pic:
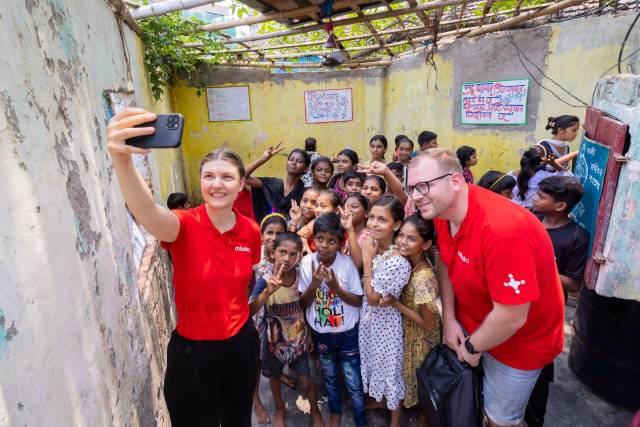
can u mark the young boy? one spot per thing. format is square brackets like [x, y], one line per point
[556, 196]
[177, 201]
[332, 295]
[353, 181]
[285, 340]
[427, 140]
[397, 169]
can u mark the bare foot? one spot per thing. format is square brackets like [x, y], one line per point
[278, 418]
[334, 420]
[371, 403]
[287, 380]
[262, 416]
[316, 418]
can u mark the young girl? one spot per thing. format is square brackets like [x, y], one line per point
[564, 130]
[468, 157]
[301, 215]
[353, 218]
[275, 194]
[404, 150]
[533, 170]
[498, 182]
[386, 272]
[373, 188]
[378, 147]
[270, 227]
[321, 171]
[346, 160]
[284, 334]
[327, 201]
[421, 320]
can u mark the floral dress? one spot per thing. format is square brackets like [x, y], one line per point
[422, 289]
[380, 337]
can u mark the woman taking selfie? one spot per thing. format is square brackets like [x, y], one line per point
[212, 357]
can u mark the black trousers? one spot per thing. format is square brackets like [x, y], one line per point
[537, 406]
[209, 383]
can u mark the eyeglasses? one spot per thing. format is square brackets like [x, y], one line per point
[423, 187]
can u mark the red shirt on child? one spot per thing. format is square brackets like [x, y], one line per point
[502, 253]
[211, 274]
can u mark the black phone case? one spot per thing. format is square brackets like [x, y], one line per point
[165, 136]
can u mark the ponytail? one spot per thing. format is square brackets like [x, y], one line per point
[560, 122]
[531, 159]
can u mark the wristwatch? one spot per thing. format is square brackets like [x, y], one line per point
[469, 346]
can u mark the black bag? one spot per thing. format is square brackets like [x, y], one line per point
[449, 391]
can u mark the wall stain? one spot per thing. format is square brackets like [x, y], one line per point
[61, 27]
[6, 335]
[87, 240]
[11, 117]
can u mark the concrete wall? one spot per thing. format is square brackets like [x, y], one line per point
[277, 104]
[417, 95]
[82, 337]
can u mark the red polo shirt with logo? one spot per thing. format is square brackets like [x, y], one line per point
[211, 274]
[502, 253]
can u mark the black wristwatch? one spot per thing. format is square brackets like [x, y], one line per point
[469, 346]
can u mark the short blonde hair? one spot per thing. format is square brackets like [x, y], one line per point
[447, 160]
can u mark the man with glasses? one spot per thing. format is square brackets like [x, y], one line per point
[498, 280]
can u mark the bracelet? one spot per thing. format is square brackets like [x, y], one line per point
[366, 275]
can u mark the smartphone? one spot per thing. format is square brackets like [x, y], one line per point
[168, 132]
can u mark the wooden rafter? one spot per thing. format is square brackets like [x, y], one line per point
[162, 8]
[122, 11]
[371, 29]
[443, 24]
[349, 21]
[304, 64]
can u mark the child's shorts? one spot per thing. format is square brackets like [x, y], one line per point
[272, 367]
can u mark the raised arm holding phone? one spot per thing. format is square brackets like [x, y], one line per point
[212, 357]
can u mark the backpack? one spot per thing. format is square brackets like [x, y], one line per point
[449, 391]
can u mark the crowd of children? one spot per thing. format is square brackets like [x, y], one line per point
[346, 268]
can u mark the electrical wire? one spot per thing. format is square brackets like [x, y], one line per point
[521, 55]
[626, 37]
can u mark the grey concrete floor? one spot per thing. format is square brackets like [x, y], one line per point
[570, 403]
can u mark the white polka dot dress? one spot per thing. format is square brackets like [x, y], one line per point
[381, 332]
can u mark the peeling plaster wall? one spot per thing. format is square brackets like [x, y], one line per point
[81, 342]
[619, 276]
[412, 95]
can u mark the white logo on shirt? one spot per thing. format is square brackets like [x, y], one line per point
[242, 249]
[515, 284]
[463, 258]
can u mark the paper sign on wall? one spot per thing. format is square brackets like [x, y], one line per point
[494, 103]
[325, 106]
[228, 103]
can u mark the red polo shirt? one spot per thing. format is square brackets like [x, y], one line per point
[502, 253]
[211, 274]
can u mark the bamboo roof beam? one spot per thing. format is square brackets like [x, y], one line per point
[371, 29]
[399, 21]
[359, 48]
[421, 16]
[165, 7]
[303, 64]
[511, 22]
[122, 12]
[364, 36]
[347, 21]
[277, 16]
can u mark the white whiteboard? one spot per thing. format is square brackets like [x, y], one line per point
[325, 106]
[228, 103]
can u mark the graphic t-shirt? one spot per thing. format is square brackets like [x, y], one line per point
[285, 332]
[328, 313]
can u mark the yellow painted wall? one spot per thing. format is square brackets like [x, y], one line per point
[405, 100]
[278, 115]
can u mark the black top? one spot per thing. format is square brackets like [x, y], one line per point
[270, 198]
[571, 246]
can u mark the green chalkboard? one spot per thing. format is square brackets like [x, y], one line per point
[591, 166]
